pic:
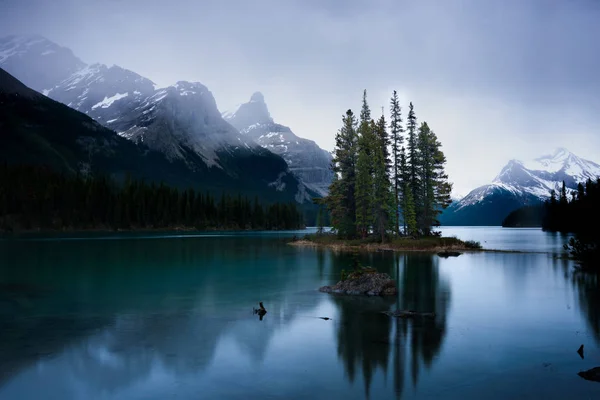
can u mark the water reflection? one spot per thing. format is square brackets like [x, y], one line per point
[368, 339]
[152, 319]
[588, 296]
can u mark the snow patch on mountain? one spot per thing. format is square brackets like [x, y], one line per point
[108, 101]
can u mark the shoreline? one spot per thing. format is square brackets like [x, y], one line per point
[388, 247]
[176, 229]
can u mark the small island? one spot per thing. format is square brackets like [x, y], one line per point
[389, 187]
[444, 246]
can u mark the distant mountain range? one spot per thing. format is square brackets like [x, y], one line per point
[307, 160]
[181, 122]
[519, 184]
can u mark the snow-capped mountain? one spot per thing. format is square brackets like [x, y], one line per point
[181, 121]
[304, 157]
[518, 184]
[42, 63]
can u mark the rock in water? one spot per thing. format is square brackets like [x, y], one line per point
[446, 254]
[580, 352]
[591, 374]
[408, 314]
[364, 282]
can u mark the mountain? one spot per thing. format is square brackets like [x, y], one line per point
[519, 184]
[181, 122]
[41, 63]
[35, 129]
[304, 157]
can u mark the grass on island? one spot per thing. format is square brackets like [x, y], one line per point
[400, 243]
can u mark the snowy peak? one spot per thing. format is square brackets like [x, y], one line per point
[257, 97]
[562, 164]
[520, 183]
[304, 157]
[38, 62]
[251, 113]
[185, 88]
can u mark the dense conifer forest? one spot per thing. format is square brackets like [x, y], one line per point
[578, 214]
[38, 198]
[389, 179]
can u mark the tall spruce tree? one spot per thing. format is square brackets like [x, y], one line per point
[409, 216]
[364, 170]
[413, 154]
[435, 189]
[341, 200]
[383, 197]
[397, 141]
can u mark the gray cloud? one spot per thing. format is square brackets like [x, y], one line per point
[496, 80]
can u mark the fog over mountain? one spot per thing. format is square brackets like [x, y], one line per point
[495, 80]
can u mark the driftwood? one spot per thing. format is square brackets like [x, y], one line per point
[446, 254]
[409, 314]
[591, 374]
[261, 311]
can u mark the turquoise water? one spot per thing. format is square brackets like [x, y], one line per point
[157, 317]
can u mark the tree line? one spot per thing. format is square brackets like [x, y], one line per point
[579, 215]
[34, 197]
[388, 179]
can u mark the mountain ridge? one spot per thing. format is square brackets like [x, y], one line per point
[303, 156]
[519, 184]
[181, 121]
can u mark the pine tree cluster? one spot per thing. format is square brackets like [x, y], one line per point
[33, 197]
[382, 186]
[579, 215]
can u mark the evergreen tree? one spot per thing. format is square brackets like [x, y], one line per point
[341, 200]
[435, 189]
[397, 140]
[413, 156]
[364, 170]
[409, 216]
[383, 197]
[364, 179]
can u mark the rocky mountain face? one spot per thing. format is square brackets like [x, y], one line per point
[180, 121]
[518, 184]
[304, 157]
[40, 63]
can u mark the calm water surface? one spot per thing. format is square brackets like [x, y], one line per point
[159, 317]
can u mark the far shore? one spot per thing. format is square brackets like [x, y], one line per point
[173, 229]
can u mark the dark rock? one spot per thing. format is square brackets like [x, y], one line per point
[409, 314]
[580, 352]
[447, 254]
[364, 282]
[591, 374]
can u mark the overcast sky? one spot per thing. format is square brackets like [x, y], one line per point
[495, 79]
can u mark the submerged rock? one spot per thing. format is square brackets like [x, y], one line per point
[364, 282]
[408, 314]
[591, 374]
[580, 352]
[447, 254]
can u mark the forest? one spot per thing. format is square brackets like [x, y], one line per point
[578, 214]
[389, 179]
[39, 198]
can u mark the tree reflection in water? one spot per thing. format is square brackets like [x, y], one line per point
[366, 336]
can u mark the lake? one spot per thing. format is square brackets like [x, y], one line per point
[160, 317]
